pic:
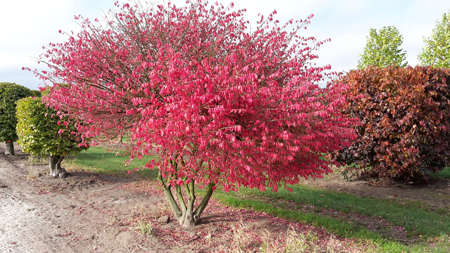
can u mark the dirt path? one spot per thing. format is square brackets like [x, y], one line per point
[81, 213]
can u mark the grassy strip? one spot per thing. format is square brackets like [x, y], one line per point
[335, 226]
[342, 227]
[414, 216]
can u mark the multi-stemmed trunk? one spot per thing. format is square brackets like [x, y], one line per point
[9, 148]
[54, 163]
[186, 215]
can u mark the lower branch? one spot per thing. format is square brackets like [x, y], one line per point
[169, 196]
[200, 208]
[180, 198]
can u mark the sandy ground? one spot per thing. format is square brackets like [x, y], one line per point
[80, 213]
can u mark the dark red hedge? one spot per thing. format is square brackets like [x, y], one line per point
[405, 113]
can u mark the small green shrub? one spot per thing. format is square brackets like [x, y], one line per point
[42, 132]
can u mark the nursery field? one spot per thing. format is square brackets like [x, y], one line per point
[247, 132]
[102, 208]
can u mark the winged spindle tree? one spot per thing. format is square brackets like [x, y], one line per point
[219, 104]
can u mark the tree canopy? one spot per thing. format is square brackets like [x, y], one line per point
[43, 132]
[436, 51]
[383, 48]
[405, 111]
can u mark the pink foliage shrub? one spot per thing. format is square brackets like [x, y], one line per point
[218, 103]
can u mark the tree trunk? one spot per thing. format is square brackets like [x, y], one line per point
[54, 163]
[186, 215]
[9, 148]
[191, 217]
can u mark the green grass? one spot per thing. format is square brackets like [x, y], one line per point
[415, 217]
[99, 159]
[445, 173]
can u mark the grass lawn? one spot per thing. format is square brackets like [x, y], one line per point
[99, 159]
[351, 216]
[392, 224]
[445, 173]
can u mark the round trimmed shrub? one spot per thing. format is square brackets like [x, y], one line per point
[42, 132]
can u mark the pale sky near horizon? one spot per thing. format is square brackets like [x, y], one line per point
[26, 25]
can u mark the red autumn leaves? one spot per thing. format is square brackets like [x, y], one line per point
[195, 87]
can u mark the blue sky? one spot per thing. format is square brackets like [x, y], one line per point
[26, 25]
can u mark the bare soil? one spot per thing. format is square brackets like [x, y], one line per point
[79, 213]
[93, 212]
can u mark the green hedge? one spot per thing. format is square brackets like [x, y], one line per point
[9, 94]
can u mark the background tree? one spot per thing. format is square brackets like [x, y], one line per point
[220, 105]
[42, 132]
[436, 51]
[383, 48]
[9, 94]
